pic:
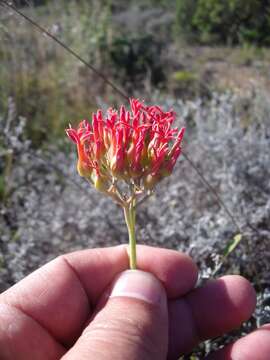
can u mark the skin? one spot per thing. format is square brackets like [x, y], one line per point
[44, 315]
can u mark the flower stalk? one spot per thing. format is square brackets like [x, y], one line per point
[130, 217]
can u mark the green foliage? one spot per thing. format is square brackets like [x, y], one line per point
[184, 76]
[5, 171]
[226, 21]
[2, 187]
[33, 2]
[185, 10]
[232, 244]
[163, 3]
[134, 57]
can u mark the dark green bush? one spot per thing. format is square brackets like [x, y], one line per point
[33, 2]
[226, 21]
[135, 57]
[185, 10]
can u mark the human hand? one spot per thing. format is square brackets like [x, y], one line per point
[75, 309]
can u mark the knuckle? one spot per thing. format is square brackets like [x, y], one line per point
[124, 333]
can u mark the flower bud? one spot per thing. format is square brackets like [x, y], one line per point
[83, 169]
[150, 181]
[101, 183]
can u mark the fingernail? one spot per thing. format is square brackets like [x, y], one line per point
[139, 285]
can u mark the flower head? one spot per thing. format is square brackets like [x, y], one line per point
[138, 146]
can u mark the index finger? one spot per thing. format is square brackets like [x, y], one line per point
[59, 296]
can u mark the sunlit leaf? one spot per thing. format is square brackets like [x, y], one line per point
[232, 244]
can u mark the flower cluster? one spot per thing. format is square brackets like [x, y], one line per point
[138, 146]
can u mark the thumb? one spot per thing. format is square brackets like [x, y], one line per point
[133, 323]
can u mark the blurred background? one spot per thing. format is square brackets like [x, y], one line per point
[209, 61]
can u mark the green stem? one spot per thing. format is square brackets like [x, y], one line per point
[130, 215]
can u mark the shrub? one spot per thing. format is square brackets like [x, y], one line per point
[226, 21]
[185, 10]
[133, 57]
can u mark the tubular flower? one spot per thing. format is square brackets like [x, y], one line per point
[138, 146]
[126, 153]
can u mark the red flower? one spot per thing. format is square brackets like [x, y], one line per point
[138, 146]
